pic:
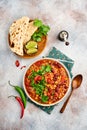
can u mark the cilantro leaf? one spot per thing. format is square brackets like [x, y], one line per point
[48, 68]
[42, 30]
[37, 22]
[44, 98]
[32, 75]
[40, 86]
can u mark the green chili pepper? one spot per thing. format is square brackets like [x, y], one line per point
[21, 93]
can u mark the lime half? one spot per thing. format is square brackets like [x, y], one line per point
[31, 50]
[31, 44]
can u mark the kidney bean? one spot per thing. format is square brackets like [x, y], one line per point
[56, 94]
[55, 77]
[27, 82]
[57, 64]
[48, 94]
[57, 89]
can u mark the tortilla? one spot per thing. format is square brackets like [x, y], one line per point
[20, 33]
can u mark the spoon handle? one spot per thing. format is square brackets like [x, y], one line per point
[65, 103]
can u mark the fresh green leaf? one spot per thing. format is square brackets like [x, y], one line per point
[37, 22]
[44, 98]
[38, 39]
[38, 91]
[32, 83]
[48, 68]
[42, 30]
[43, 68]
[39, 34]
[41, 85]
[34, 73]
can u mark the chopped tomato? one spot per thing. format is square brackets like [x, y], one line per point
[48, 80]
[57, 64]
[37, 78]
[38, 63]
[27, 81]
[62, 79]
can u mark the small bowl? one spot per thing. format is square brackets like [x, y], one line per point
[57, 101]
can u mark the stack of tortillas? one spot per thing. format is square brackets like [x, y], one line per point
[20, 33]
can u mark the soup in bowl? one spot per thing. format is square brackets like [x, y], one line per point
[46, 82]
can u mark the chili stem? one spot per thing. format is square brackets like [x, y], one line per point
[10, 84]
[11, 96]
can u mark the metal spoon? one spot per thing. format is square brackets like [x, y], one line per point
[76, 82]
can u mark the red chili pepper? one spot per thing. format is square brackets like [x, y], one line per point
[21, 104]
[17, 63]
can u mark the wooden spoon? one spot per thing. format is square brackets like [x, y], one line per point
[76, 82]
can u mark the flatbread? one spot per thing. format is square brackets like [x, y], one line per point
[20, 33]
[29, 32]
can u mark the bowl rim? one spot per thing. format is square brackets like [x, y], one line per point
[55, 103]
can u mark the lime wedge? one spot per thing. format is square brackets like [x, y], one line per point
[31, 50]
[31, 44]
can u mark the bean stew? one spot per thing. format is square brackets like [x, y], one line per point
[46, 81]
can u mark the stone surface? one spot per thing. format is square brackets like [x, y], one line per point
[69, 15]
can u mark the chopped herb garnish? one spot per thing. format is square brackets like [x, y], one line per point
[44, 69]
[42, 30]
[34, 73]
[40, 85]
[44, 98]
[37, 22]
[48, 68]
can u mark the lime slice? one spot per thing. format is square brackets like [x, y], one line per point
[31, 51]
[31, 44]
